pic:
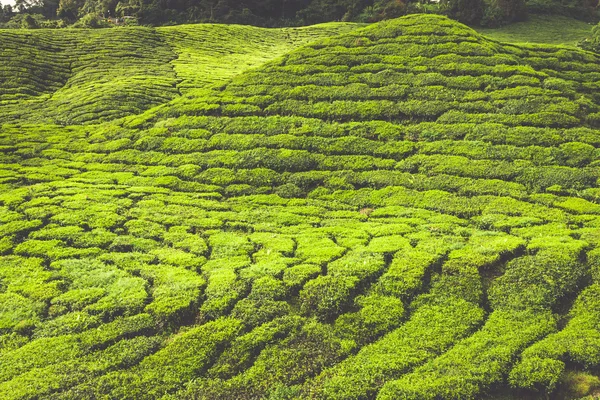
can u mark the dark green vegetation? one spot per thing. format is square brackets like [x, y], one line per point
[592, 42]
[405, 211]
[101, 13]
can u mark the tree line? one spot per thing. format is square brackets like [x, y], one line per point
[97, 13]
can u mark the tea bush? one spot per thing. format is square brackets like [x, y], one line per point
[405, 210]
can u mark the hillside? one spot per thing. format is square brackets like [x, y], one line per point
[545, 29]
[408, 210]
[88, 76]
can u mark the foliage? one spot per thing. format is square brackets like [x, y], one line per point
[592, 43]
[403, 210]
[465, 11]
[499, 12]
[581, 9]
[91, 21]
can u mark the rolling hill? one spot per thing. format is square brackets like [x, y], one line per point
[407, 210]
[82, 76]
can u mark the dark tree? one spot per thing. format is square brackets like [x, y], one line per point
[514, 10]
[22, 5]
[332, 10]
[29, 22]
[593, 42]
[466, 11]
[69, 10]
[500, 12]
[8, 12]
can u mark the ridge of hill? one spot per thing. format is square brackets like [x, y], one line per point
[405, 211]
[86, 76]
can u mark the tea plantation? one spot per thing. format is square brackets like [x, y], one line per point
[89, 76]
[407, 210]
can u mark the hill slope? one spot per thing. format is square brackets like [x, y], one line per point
[545, 29]
[408, 210]
[89, 76]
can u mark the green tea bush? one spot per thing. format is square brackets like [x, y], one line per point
[406, 274]
[592, 43]
[245, 349]
[413, 343]
[543, 363]
[18, 312]
[554, 271]
[175, 294]
[190, 353]
[540, 374]
[480, 359]
[406, 211]
[327, 296]
[296, 276]
[377, 315]
[540, 178]
[254, 313]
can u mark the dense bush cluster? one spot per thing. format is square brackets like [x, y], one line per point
[592, 43]
[408, 210]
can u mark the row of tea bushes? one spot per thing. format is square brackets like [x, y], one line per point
[203, 249]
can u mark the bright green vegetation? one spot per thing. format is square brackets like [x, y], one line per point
[101, 77]
[547, 29]
[89, 76]
[404, 211]
[209, 54]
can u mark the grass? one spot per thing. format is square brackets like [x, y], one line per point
[403, 210]
[545, 29]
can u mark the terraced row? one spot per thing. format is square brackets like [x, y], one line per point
[212, 54]
[31, 66]
[271, 239]
[90, 76]
[102, 77]
[249, 265]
